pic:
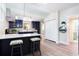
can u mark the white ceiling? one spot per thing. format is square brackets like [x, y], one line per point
[41, 9]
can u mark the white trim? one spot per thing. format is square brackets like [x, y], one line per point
[66, 43]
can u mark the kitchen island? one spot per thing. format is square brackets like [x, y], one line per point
[5, 48]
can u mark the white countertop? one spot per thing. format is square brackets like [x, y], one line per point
[17, 35]
[27, 30]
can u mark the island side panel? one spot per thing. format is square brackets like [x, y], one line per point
[5, 48]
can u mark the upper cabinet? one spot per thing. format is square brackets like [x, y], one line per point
[16, 24]
[13, 10]
[9, 16]
[12, 24]
[19, 23]
[8, 13]
[36, 25]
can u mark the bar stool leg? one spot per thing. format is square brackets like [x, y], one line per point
[33, 48]
[21, 50]
[12, 51]
[39, 49]
[40, 52]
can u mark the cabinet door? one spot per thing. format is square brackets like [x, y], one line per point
[36, 25]
[12, 24]
[19, 23]
[51, 30]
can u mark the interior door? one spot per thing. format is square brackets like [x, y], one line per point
[51, 30]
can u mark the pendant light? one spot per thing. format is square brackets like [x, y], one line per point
[24, 10]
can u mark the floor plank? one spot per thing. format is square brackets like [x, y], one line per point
[49, 48]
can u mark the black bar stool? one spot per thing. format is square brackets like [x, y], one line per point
[35, 45]
[16, 44]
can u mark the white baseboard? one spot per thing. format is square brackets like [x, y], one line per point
[51, 40]
[65, 43]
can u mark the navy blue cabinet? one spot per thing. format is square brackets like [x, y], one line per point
[36, 25]
[12, 24]
[5, 48]
[16, 24]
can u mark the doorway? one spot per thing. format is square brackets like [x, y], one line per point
[73, 30]
[73, 34]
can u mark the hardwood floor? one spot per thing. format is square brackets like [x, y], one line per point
[49, 48]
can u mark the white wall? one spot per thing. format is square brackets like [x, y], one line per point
[20, 13]
[74, 11]
[3, 22]
[51, 24]
[64, 15]
[51, 27]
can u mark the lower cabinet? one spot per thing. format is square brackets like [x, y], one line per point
[5, 48]
[26, 46]
[36, 25]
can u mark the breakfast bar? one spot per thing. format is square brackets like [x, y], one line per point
[5, 48]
